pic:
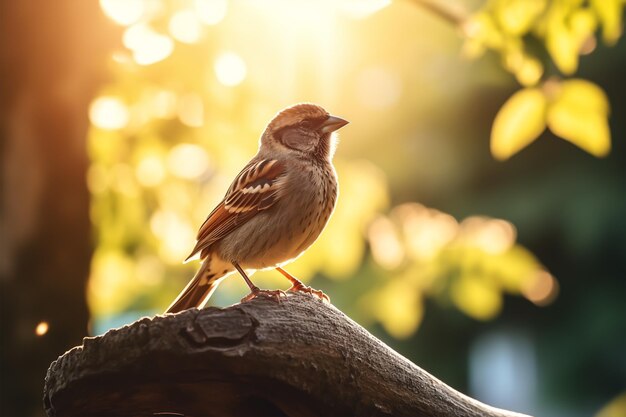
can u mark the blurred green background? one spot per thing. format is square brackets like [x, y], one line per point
[469, 235]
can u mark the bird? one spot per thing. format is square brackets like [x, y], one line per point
[273, 211]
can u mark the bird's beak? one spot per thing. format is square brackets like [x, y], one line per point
[333, 123]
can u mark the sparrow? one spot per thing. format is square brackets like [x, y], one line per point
[274, 209]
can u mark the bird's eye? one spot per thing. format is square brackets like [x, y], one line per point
[306, 124]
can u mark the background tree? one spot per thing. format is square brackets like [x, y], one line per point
[191, 85]
[51, 54]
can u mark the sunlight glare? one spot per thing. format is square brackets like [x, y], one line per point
[184, 26]
[313, 14]
[123, 12]
[108, 112]
[378, 88]
[211, 12]
[360, 9]
[230, 69]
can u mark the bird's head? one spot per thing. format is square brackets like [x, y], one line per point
[305, 129]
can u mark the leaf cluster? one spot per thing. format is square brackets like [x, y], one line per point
[540, 42]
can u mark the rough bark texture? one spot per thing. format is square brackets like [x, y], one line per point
[301, 357]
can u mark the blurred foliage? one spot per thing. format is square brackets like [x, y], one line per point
[615, 408]
[168, 134]
[471, 264]
[531, 36]
[179, 118]
[575, 110]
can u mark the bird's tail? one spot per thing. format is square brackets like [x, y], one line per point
[198, 291]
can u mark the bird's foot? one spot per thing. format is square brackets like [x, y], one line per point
[300, 287]
[257, 292]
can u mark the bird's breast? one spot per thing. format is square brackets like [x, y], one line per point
[283, 232]
[316, 202]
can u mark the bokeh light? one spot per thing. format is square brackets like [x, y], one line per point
[472, 197]
[123, 12]
[150, 171]
[230, 69]
[164, 104]
[426, 231]
[187, 161]
[175, 235]
[147, 45]
[491, 235]
[211, 12]
[108, 113]
[475, 261]
[185, 27]
[385, 245]
[42, 328]
[542, 290]
[170, 145]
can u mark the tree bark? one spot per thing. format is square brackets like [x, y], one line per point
[301, 357]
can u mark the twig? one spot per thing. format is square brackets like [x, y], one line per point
[452, 13]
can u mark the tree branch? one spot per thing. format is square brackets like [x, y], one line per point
[452, 13]
[301, 357]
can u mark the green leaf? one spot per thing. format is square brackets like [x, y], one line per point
[610, 15]
[579, 114]
[516, 17]
[476, 297]
[583, 23]
[529, 71]
[562, 46]
[519, 122]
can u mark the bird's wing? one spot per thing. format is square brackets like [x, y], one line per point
[254, 190]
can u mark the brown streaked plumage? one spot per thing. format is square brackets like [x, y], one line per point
[275, 208]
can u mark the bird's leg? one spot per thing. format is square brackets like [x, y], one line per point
[298, 286]
[256, 291]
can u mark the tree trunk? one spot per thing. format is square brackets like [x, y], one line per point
[52, 58]
[301, 357]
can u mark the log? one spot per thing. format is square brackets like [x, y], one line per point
[301, 357]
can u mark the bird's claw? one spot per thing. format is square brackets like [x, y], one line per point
[257, 292]
[308, 290]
